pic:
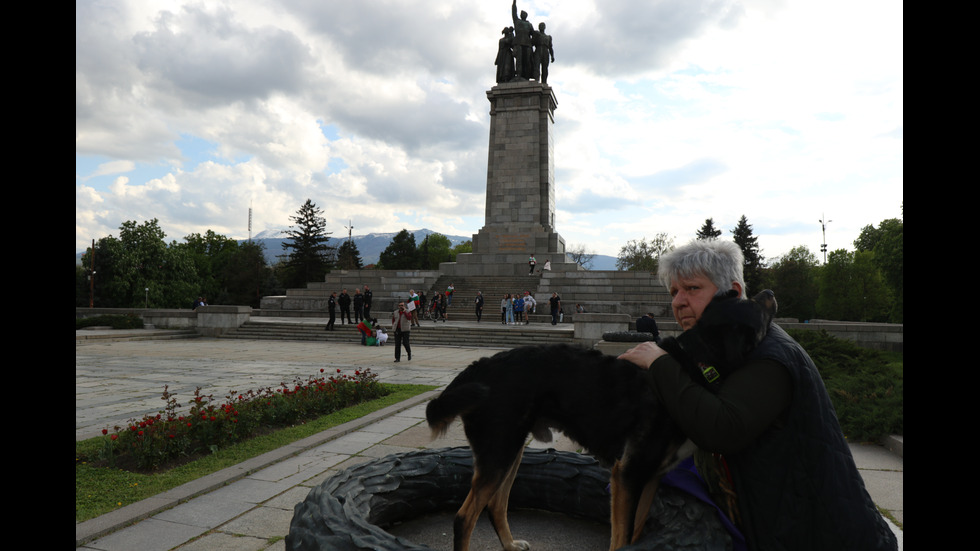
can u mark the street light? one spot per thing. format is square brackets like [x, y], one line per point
[146, 297]
[823, 246]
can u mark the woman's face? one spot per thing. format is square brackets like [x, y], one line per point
[690, 297]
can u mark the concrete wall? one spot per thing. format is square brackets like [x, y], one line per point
[589, 327]
[210, 321]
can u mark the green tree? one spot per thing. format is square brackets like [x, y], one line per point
[435, 248]
[793, 277]
[852, 289]
[887, 243]
[245, 276]
[463, 248]
[708, 230]
[308, 257]
[400, 254]
[742, 235]
[348, 257]
[642, 255]
[210, 253]
[139, 268]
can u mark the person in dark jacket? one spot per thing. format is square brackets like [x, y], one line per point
[647, 324]
[358, 306]
[332, 309]
[770, 432]
[344, 302]
[368, 296]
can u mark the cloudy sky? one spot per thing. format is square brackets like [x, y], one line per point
[669, 112]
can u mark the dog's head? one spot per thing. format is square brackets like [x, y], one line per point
[726, 333]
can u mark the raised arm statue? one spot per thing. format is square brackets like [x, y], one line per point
[522, 44]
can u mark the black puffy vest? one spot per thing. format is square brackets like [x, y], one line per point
[797, 485]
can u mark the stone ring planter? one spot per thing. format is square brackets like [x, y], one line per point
[347, 511]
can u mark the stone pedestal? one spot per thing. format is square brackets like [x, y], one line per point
[520, 205]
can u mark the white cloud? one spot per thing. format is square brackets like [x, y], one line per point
[669, 113]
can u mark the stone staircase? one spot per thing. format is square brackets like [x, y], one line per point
[490, 333]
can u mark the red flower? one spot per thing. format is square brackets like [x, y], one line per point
[105, 431]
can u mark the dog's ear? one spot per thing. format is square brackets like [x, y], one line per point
[767, 300]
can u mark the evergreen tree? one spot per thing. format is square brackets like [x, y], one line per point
[400, 254]
[708, 230]
[742, 235]
[308, 256]
[348, 257]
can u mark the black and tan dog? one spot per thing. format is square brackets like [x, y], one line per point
[605, 404]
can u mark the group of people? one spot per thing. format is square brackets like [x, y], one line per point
[515, 308]
[361, 301]
[417, 305]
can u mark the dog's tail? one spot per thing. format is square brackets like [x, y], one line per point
[453, 402]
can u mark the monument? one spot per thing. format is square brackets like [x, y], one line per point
[519, 213]
[520, 202]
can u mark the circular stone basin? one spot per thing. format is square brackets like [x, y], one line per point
[350, 510]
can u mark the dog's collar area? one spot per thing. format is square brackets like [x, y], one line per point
[712, 378]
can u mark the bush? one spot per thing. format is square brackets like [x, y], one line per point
[866, 386]
[128, 321]
[155, 440]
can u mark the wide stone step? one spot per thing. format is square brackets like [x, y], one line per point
[490, 334]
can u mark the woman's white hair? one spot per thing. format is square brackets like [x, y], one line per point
[720, 261]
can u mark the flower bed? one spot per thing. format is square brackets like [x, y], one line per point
[170, 436]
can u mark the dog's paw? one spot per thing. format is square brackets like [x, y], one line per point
[518, 545]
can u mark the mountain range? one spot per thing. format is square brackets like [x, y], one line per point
[371, 245]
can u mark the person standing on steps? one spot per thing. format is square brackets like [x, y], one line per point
[479, 306]
[401, 326]
[344, 302]
[332, 309]
[367, 301]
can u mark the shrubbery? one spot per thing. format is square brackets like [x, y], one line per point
[128, 321]
[866, 386]
[207, 425]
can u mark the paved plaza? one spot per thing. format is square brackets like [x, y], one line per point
[249, 507]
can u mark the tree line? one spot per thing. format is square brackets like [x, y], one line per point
[865, 284]
[140, 269]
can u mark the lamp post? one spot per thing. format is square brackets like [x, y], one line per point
[823, 246]
[146, 297]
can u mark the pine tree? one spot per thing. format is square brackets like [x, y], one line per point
[400, 254]
[708, 230]
[308, 256]
[742, 235]
[348, 257]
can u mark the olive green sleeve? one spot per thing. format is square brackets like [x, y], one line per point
[749, 401]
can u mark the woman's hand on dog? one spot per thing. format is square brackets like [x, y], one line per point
[643, 354]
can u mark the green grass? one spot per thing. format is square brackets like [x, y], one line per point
[99, 490]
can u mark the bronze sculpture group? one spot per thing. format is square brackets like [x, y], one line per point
[523, 53]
